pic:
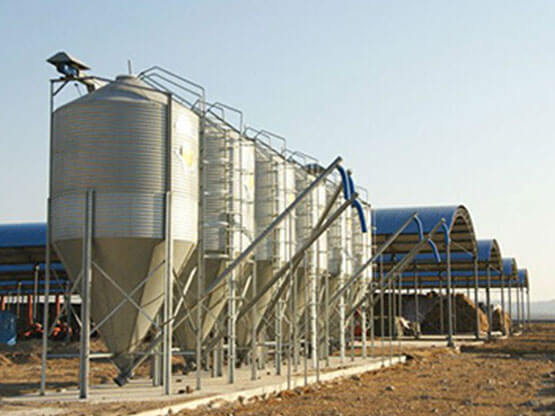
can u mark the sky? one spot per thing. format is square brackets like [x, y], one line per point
[428, 102]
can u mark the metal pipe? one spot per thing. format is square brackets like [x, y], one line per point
[168, 299]
[372, 259]
[477, 310]
[291, 267]
[35, 290]
[401, 264]
[305, 246]
[517, 307]
[450, 342]
[86, 297]
[416, 301]
[522, 306]
[295, 259]
[503, 323]
[46, 298]
[221, 278]
[200, 245]
[326, 319]
[488, 301]
[510, 306]
[441, 308]
[528, 303]
[382, 311]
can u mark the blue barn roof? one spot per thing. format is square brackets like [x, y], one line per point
[523, 277]
[23, 235]
[509, 267]
[389, 220]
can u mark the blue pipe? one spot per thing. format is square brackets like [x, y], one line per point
[351, 184]
[29, 282]
[420, 227]
[357, 205]
[345, 181]
[13, 268]
[360, 211]
[430, 242]
[435, 251]
[361, 217]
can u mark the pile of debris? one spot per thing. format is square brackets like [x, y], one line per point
[464, 316]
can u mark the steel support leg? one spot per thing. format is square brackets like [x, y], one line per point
[231, 334]
[510, 306]
[528, 305]
[168, 301]
[450, 342]
[313, 314]
[441, 309]
[46, 298]
[382, 319]
[254, 338]
[517, 308]
[372, 325]
[488, 304]
[84, 364]
[504, 328]
[363, 329]
[326, 320]
[156, 365]
[476, 301]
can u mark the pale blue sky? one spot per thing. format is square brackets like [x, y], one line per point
[430, 102]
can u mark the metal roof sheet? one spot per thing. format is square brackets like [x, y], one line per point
[23, 235]
[389, 220]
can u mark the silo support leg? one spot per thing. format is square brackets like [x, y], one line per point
[168, 301]
[46, 308]
[84, 365]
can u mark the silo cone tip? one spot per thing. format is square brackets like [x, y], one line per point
[126, 372]
[122, 379]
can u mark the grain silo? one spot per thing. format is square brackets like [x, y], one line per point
[275, 190]
[227, 224]
[315, 262]
[137, 150]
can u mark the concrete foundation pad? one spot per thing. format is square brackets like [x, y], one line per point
[215, 390]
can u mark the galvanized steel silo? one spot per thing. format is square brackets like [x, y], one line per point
[115, 141]
[274, 190]
[227, 221]
[315, 263]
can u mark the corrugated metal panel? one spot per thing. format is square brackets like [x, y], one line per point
[23, 235]
[388, 220]
[275, 190]
[308, 214]
[117, 214]
[185, 181]
[335, 237]
[114, 141]
[229, 195]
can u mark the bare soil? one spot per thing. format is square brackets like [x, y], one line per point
[515, 376]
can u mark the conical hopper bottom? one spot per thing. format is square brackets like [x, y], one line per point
[212, 307]
[303, 285]
[264, 273]
[128, 262]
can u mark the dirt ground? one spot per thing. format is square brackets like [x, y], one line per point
[515, 376]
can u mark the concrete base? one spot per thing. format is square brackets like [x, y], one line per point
[215, 390]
